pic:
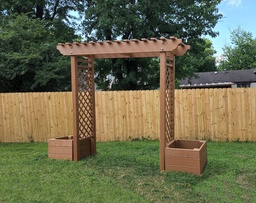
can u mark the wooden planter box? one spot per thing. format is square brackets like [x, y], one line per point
[186, 156]
[62, 148]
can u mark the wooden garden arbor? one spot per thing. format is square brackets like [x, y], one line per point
[83, 95]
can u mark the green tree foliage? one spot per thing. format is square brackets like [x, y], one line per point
[29, 33]
[200, 59]
[42, 9]
[135, 19]
[207, 59]
[30, 30]
[241, 54]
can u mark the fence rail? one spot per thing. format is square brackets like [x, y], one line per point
[216, 114]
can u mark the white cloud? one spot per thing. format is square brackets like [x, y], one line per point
[234, 2]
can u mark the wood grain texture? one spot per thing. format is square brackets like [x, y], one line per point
[38, 117]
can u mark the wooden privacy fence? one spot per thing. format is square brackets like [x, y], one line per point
[216, 114]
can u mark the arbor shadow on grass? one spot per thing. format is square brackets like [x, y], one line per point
[213, 168]
[142, 157]
[141, 164]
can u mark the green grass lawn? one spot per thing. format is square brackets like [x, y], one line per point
[125, 172]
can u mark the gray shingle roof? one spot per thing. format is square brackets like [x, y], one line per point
[218, 77]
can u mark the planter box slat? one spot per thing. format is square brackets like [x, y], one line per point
[61, 156]
[60, 150]
[61, 142]
[85, 147]
[182, 161]
[182, 153]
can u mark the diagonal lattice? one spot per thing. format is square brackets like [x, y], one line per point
[85, 98]
[169, 100]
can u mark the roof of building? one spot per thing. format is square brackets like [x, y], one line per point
[220, 78]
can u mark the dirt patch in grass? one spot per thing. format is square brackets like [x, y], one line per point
[246, 182]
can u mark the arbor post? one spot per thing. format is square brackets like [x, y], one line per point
[83, 96]
[167, 91]
[74, 84]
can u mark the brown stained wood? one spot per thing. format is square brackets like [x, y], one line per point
[144, 39]
[60, 143]
[60, 148]
[184, 153]
[185, 144]
[125, 49]
[171, 95]
[183, 161]
[162, 109]
[85, 142]
[61, 156]
[180, 155]
[163, 38]
[93, 138]
[153, 39]
[74, 83]
[173, 38]
[85, 152]
[86, 147]
[181, 50]
[135, 40]
[84, 118]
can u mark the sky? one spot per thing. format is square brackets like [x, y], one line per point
[236, 13]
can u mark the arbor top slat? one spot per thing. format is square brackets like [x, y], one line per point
[124, 49]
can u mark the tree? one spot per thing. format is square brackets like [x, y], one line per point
[131, 19]
[241, 54]
[201, 59]
[29, 33]
[42, 9]
[29, 59]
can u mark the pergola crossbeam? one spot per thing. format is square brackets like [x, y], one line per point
[124, 49]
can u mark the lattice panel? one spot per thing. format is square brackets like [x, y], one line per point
[85, 98]
[169, 99]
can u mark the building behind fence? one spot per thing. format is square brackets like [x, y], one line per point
[211, 114]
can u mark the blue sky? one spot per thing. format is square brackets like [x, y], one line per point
[235, 13]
